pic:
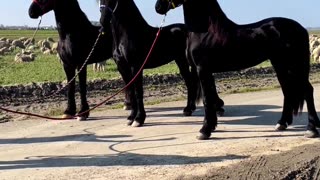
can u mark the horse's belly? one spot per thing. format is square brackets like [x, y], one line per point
[234, 64]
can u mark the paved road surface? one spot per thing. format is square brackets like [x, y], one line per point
[165, 148]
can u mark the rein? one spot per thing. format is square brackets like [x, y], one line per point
[110, 97]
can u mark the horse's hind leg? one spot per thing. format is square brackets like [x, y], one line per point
[313, 119]
[286, 117]
[84, 114]
[194, 89]
[71, 106]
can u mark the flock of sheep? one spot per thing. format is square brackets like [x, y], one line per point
[315, 47]
[49, 46]
[28, 48]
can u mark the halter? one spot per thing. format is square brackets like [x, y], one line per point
[172, 4]
[44, 6]
[102, 6]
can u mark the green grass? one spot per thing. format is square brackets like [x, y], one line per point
[47, 68]
[41, 34]
[317, 32]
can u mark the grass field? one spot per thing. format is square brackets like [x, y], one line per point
[41, 34]
[317, 32]
[47, 67]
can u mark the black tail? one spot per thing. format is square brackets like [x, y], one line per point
[299, 80]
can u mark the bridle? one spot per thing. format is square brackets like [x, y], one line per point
[45, 7]
[172, 4]
[102, 6]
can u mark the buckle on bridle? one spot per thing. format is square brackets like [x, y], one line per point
[172, 4]
[102, 6]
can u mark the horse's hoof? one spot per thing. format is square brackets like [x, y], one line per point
[136, 124]
[81, 118]
[127, 107]
[129, 123]
[67, 116]
[317, 124]
[220, 112]
[203, 137]
[130, 118]
[187, 113]
[280, 127]
[312, 134]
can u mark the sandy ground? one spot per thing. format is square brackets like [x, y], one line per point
[165, 148]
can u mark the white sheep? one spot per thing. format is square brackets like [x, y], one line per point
[99, 66]
[316, 54]
[46, 44]
[50, 39]
[4, 44]
[54, 47]
[20, 57]
[18, 43]
[47, 52]
[4, 50]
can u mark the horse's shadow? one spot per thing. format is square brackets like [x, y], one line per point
[122, 159]
[242, 114]
[106, 117]
[128, 158]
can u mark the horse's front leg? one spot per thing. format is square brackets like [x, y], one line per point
[127, 100]
[141, 113]
[71, 106]
[191, 81]
[127, 76]
[210, 99]
[83, 114]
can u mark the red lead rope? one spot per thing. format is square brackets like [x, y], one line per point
[119, 91]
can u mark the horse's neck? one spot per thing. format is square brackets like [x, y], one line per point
[206, 15]
[127, 17]
[71, 20]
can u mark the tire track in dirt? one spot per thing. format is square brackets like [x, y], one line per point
[253, 168]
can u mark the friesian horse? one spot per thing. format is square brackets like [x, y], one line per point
[132, 38]
[76, 38]
[216, 44]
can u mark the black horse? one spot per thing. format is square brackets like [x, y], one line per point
[132, 40]
[216, 44]
[76, 39]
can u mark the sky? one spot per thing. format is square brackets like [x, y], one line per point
[306, 12]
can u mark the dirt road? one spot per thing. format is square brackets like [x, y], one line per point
[245, 145]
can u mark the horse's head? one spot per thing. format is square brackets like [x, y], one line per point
[40, 7]
[107, 8]
[163, 6]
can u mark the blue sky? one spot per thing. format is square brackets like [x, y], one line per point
[307, 12]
